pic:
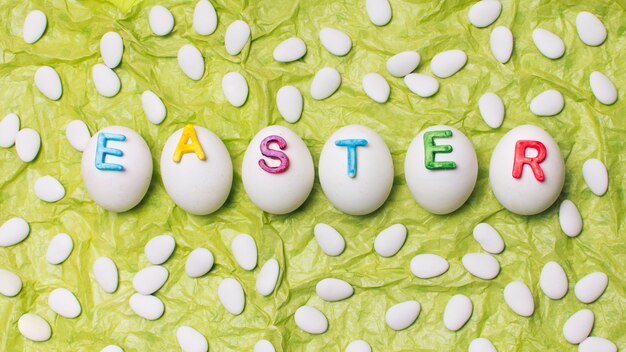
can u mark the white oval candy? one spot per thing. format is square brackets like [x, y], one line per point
[106, 81]
[548, 43]
[264, 346]
[603, 88]
[358, 346]
[390, 240]
[105, 272]
[596, 176]
[548, 103]
[10, 283]
[447, 63]
[426, 266]
[484, 13]
[34, 27]
[191, 61]
[569, 218]
[553, 280]
[379, 11]
[329, 239]
[590, 29]
[245, 251]
[235, 88]
[458, 311]
[289, 50]
[27, 144]
[268, 277]
[159, 249]
[335, 41]
[481, 265]
[289, 103]
[376, 87]
[591, 287]
[199, 262]
[9, 127]
[501, 43]
[112, 348]
[311, 320]
[236, 37]
[161, 20]
[597, 344]
[403, 63]
[325, 83]
[488, 238]
[34, 327]
[147, 307]
[519, 298]
[153, 107]
[149, 280]
[191, 340]
[77, 134]
[422, 85]
[231, 296]
[481, 345]
[402, 315]
[59, 249]
[204, 18]
[491, 108]
[111, 49]
[13, 231]
[64, 303]
[578, 326]
[333, 290]
[49, 189]
[48, 82]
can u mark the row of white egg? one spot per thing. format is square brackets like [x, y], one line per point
[355, 169]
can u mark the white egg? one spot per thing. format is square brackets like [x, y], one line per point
[264, 346]
[27, 144]
[491, 109]
[13, 231]
[335, 41]
[501, 43]
[159, 249]
[231, 296]
[289, 103]
[590, 29]
[603, 88]
[458, 311]
[9, 127]
[597, 344]
[330, 240]
[481, 265]
[422, 85]
[191, 340]
[48, 82]
[447, 63]
[235, 88]
[77, 134]
[199, 262]
[64, 303]
[106, 81]
[245, 251]
[376, 87]
[591, 287]
[379, 11]
[426, 265]
[569, 218]
[311, 320]
[596, 176]
[268, 277]
[161, 20]
[578, 326]
[236, 37]
[34, 327]
[10, 283]
[111, 49]
[333, 290]
[481, 345]
[289, 50]
[403, 63]
[204, 18]
[390, 240]
[150, 279]
[49, 189]
[358, 346]
[484, 13]
[59, 249]
[489, 238]
[191, 61]
[147, 307]
[34, 27]
[553, 280]
[548, 43]
[547, 103]
[153, 107]
[106, 274]
[325, 83]
[519, 298]
[402, 315]
[112, 348]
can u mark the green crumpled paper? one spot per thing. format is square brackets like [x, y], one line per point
[584, 129]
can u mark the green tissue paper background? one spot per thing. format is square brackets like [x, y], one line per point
[584, 129]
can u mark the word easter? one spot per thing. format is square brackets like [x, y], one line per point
[526, 171]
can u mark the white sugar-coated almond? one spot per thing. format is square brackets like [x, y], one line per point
[597, 344]
[153, 107]
[491, 108]
[77, 134]
[332, 290]
[376, 87]
[481, 344]
[49, 189]
[481, 265]
[147, 307]
[34, 327]
[10, 283]
[191, 340]
[426, 266]
[111, 49]
[159, 249]
[245, 251]
[204, 18]
[191, 61]
[34, 27]
[236, 37]
[231, 296]
[268, 277]
[603, 88]
[9, 127]
[390, 240]
[548, 43]
[264, 346]
[199, 262]
[105, 273]
[553, 280]
[591, 287]
[112, 348]
[289, 103]
[402, 315]
[379, 11]
[488, 238]
[106, 81]
[519, 298]
[235, 88]
[149, 280]
[13, 231]
[311, 320]
[458, 311]
[422, 85]
[335, 41]
[358, 346]
[403, 63]
[484, 13]
[289, 50]
[64, 303]
[330, 240]
[548, 103]
[590, 29]
[501, 43]
[569, 218]
[48, 82]
[447, 63]
[596, 177]
[578, 326]
[161, 20]
[59, 249]
[325, 83]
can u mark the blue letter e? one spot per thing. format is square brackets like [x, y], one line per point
[102, 151]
